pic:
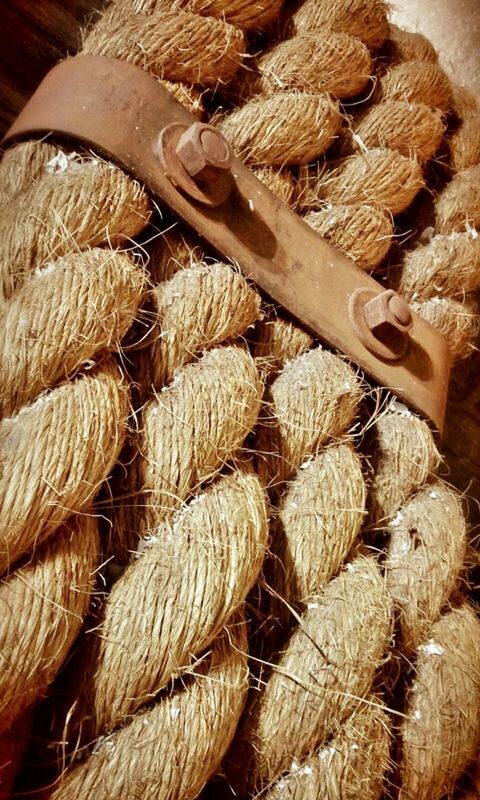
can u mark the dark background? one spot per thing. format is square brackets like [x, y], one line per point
[35, 35]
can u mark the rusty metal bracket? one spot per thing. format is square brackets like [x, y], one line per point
[123, 113]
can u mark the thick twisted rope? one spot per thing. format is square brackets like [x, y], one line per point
[103, 776]
[201, 429]
[421, 582]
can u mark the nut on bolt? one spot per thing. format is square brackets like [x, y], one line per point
[387, 315]
[204, 152]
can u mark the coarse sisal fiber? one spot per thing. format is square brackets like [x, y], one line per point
[404, 458]
[69, 309]
[449, 264]
[178, 742]
[458, 206]
[408, 46]
[178, 601]
[188, 431]
[364, 19]
[285, 128]
[277, 340]
[42, 606]
[70, 204]
[23, 165]
[87, 203]
[255, 15]
[178, 46]
[425, 553]
[458, 322]
[362, 232]
[417, 82]
[95, 294]
[440, 277]
[314, 722]
[464, 141]
[322, 62]
[50, 475]
[413, 129]
[313, 400]
[440, 734]
[249, 14]
[195, 310]
[351, 765]
[426, 541]
[319, 518]
[323, 671]
[379, 177]
[280, 181]
[191, 97]
[176, 249]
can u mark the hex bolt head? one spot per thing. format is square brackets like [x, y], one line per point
[204, 152]
[388, 315]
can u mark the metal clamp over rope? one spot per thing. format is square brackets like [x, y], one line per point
[125, 114]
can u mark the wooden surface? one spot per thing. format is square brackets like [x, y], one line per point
[34, 35]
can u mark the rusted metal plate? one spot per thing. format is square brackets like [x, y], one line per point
[120, 111]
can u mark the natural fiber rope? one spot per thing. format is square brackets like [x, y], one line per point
[109, 777]
[352, 765]
[427, 605]
[200, 428]
[178, 742]
[85, 203]
[179, 45]
[253, 15]
[286, 128]
[311, 62]
[187, 434]
[69, 203]
[49, 469]
[381, 175]
[22, 165]
[325, 668]
[364, 19]
[294, 711]
[54, 590]
[440, 734]
[440, 277]
[178, 595]
[464, 142]
[127, 573]
[416, 82]
[200, 307]
[95, 295]
[408, 46]
[384, 173]
[424, 555]
[48, 475]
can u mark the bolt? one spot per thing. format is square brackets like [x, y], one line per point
[400, 311]
[204, 152]
[388, 316]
